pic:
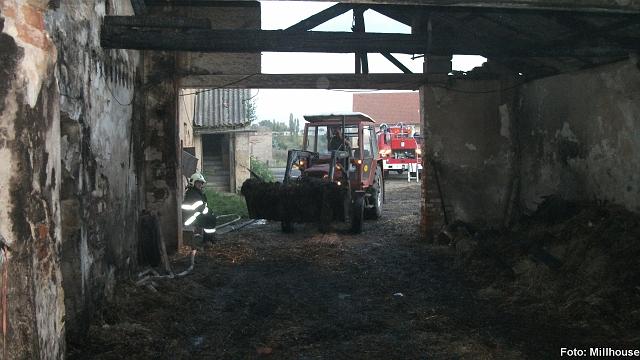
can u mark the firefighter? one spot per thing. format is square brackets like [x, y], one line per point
[195, 208]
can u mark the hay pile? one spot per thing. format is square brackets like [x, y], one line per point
[580, 261]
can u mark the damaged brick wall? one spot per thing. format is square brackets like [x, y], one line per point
[579, 136]
[469, 153]
[69, 175]
[29, 184]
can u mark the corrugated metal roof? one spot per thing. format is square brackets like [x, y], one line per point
[221, 108]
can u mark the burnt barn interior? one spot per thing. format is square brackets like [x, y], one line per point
[531, 175]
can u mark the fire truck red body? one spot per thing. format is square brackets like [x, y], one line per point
[399, 148]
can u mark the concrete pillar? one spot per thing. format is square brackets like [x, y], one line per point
[469, 158]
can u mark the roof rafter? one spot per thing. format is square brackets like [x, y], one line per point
[321, 17]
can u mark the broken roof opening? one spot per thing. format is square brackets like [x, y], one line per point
[533, 38]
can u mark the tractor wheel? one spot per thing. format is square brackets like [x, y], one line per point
[378, 187]
[287, 226]
[357, 215]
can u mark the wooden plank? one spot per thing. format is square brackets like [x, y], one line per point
[253, 41]
[307, 81]
[321, 17]
[174, 22]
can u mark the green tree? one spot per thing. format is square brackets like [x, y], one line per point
[266, 123]
[251, 110]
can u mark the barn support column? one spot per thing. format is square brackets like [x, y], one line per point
[470, 163]
[163, 181]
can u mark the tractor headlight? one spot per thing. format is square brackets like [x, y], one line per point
[419, 151]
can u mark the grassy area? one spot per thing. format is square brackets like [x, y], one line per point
[223, 204]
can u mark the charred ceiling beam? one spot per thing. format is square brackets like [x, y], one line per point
[396, 62]
[170, 22]
[307, 81]
[609, 6]
[203, 3]
[321, 17]
[253, 41]
[257, 40]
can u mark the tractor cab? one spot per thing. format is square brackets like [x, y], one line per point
[351, 137]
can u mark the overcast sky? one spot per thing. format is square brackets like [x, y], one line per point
[278, 103]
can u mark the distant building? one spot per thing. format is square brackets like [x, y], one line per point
[214, 130]
[261, 143]
[390, 107]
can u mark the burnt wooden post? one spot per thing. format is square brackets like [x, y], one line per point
[162, 179]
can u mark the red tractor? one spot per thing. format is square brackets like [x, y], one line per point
[336, 176]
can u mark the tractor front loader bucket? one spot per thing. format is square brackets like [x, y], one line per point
[301, 201]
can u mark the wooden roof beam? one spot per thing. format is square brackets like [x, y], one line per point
[253, 41]
[628, 6]
[321, 17]
[203, 3]
[307, 81]
[396, 62]
[153, 21]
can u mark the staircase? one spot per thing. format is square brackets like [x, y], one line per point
[216, 174]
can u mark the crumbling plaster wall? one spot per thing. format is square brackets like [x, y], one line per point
[469, 151]
[580, 136]
[29, 183]
[99, 170]
[68, 177]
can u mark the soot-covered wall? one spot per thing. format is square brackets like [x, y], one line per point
[494, 155]
[68, 175]
[580, 136]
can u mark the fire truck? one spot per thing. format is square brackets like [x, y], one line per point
[399, 148]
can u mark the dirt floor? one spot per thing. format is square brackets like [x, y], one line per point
[384, 294]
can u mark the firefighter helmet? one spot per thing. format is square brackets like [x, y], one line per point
[196, 177]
